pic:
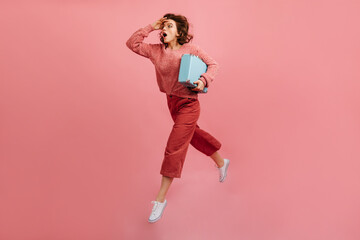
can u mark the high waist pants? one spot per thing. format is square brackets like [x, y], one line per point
[185, 112]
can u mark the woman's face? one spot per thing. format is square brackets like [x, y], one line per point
[169, 31]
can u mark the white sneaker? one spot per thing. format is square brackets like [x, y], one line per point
[157, 210]
[223, 170]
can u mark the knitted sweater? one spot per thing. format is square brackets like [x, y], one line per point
[167, 62]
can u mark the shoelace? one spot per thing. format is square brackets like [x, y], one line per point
[156, 204]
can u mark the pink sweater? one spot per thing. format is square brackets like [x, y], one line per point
[167, 62]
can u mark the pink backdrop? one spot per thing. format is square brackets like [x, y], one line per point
[83, 125]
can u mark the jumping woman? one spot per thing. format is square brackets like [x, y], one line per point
[182, 101]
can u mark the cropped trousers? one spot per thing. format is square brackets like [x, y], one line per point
[185, 112]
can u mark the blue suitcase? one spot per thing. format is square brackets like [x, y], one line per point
[191, 68]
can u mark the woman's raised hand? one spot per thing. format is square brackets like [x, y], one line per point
[157, 24]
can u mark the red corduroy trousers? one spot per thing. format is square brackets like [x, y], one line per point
[185, 112]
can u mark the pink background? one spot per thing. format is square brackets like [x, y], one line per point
[83, 125]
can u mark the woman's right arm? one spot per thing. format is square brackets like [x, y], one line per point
[136, 44]
[136, 41]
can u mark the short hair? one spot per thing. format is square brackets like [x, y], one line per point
[182, 26]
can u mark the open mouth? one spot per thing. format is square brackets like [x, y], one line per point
[164, 34]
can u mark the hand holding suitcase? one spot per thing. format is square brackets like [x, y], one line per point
[191, 68]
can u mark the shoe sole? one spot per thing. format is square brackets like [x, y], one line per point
[157, 219]
[226, 168]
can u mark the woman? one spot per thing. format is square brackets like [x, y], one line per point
[182, 101]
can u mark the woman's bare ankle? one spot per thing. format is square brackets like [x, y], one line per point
[160, 199]
[221, 164]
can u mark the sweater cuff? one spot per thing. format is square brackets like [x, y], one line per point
[203, 80]
[149, 28]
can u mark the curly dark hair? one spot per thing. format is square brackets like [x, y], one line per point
[182, 26]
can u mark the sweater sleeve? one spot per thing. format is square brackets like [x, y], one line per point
[212, 68]
[135, 42]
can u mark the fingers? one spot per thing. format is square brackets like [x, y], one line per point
[198, 83]
[160, 22]
[163, 19]
[197, 88]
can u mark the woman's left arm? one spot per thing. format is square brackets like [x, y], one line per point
[212, 69]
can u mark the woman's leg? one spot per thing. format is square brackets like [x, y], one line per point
[185, 113]
[165, 184]
[166, 181]
[207, 144]
[218, 159]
